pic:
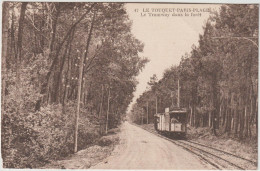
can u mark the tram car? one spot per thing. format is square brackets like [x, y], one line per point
[172, 123]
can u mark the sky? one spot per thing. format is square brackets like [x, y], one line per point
[166, 39]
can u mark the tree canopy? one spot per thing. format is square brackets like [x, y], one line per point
[218, 78]
[68, 75]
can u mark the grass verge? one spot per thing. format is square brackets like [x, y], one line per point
[90, 156]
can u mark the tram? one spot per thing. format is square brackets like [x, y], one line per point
[172, 122]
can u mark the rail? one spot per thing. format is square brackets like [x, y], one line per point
[210, 154]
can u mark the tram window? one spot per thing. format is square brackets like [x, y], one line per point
[179, 118]
[174, 120]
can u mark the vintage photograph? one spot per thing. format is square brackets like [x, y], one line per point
[111, 85]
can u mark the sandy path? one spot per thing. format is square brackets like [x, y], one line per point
[143, 150]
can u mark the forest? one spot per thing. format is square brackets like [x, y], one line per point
[218, 78]
[68, 75]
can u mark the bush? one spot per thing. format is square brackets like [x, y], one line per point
[31, 139]
[107, 140]
[113, 131]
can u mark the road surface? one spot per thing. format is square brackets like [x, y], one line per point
[143, 150]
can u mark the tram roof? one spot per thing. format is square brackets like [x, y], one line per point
[179, 111]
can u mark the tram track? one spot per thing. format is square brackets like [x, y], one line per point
[224, 152]
[217, 158]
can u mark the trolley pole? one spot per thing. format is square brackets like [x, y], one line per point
[147, 112]
[81, 65]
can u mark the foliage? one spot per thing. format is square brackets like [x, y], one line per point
[218, 78]
[45, 43]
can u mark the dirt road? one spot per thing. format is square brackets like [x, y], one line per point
[143, 150]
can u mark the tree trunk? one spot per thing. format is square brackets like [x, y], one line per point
[210, 119]
[156, 110]
[41, 30]
[142, 118]
[147, 110]
[246, 122]
[100, 110]
[237, 114]
[54, 28]
[215, 104]
[89, 38]
[13, 45]
[108, 101]
[256, 119]
[224, 111]
[55, 60]
[242, 122]
[4, 50]
[191, 116]
[232, 113]
[68, 81]
[51, 48]
[52, 43]
[58, 88]
[19, 52]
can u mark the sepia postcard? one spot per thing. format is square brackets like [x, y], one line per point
[129, 85]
